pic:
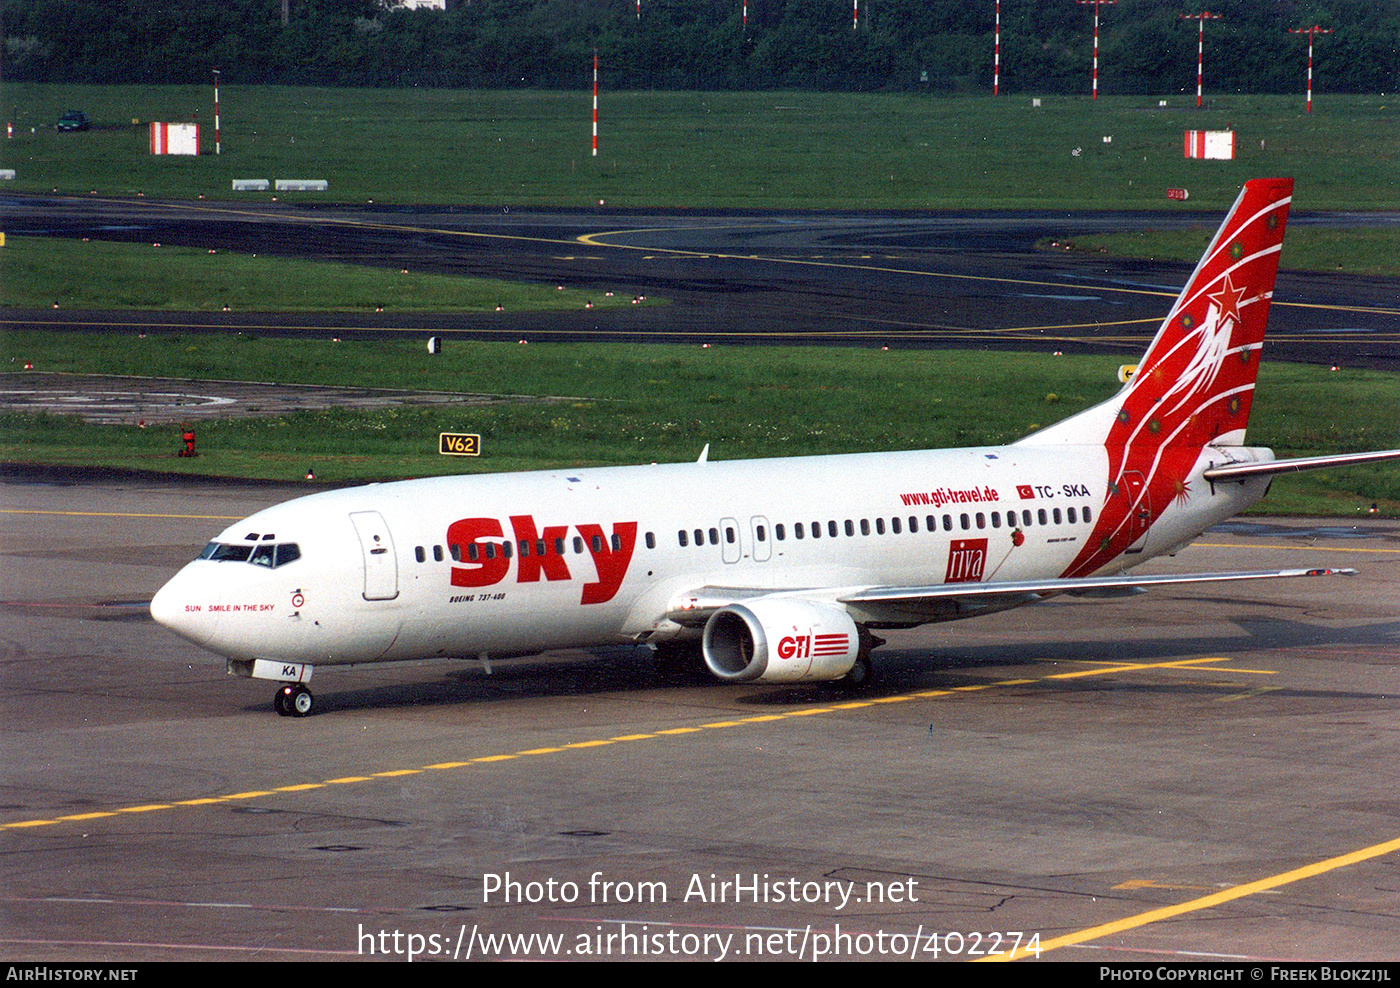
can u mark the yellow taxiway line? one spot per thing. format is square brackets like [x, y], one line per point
[1210, 664]
[1204, 902]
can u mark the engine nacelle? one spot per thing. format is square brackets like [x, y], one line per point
[780, 640]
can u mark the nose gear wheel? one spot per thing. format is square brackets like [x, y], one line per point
[293, 700]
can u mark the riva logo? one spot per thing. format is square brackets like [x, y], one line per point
[811, 646]
[966, 560]
[482, 558]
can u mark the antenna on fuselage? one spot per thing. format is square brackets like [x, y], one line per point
[704, 454]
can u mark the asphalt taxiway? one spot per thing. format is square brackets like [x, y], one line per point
[1199, 774]
[973, 280]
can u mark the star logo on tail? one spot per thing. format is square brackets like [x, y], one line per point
[1227, 301]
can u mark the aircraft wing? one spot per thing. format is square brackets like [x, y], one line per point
[1243, 471]
[954, 600]
[906, 605]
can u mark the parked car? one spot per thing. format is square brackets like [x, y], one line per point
[73, 120]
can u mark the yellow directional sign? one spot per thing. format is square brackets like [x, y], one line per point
[459, 444]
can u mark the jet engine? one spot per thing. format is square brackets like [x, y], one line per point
[780, 640]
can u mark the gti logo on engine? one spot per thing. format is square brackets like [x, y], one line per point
[809, 646]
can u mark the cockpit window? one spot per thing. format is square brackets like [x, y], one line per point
[271, 555]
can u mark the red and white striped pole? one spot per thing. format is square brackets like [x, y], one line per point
[1097, 4]
[1310, 31]
[595, 102]
[746, 16]
[218, 144]
[1201, 19]
[996, 53]
[855, 14]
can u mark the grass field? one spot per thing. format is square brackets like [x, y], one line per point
[740, 150]
[663, 403]
[703, 150]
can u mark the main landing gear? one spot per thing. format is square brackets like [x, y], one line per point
[864, 670]
[293, 700]
[860, 675]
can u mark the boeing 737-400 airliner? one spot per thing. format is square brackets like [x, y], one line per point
[781, 570]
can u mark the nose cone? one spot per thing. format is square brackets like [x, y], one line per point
[163, 606]
[172, 608]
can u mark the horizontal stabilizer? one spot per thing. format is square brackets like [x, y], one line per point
[1243, 471]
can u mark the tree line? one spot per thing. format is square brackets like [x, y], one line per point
[937, 45]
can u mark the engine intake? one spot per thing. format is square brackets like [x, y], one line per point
[780, 640]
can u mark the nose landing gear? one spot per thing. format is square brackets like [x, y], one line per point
[293, 700]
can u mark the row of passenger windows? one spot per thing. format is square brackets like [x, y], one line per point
[967, 522]
[475, 551]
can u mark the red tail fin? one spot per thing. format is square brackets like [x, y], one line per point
[1196, 381]
[1194, 385]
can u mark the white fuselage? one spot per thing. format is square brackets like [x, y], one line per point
[453, 567]
[779, 567]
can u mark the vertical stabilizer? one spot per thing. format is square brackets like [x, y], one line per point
[1195, 383]
[1194, 386]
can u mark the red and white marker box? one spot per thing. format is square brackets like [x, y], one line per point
[1218, 144]
[174, 138]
